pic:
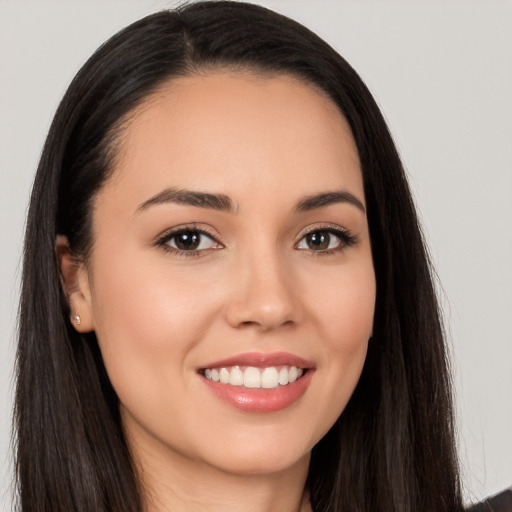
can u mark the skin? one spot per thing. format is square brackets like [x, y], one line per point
[159, 316]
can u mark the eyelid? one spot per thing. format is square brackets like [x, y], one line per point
[322, 226]
[347, 238]
[163, 238]
[189, 226]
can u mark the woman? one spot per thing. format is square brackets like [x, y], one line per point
[226, 298]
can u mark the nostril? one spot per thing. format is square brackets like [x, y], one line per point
[265, 325]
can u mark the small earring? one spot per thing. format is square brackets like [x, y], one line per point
[76, 318]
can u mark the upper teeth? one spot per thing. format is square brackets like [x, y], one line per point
[252, 377]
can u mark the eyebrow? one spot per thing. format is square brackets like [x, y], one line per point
[222, 202]
[328, 198]
[219, 202]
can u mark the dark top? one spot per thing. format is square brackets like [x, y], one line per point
[500, 503]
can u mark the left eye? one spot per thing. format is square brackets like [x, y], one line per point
[190, 240]
[320, 241]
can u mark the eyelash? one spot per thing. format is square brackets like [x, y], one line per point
[347, 239]
[163, 241]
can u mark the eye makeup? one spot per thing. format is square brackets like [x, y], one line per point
[191, 240]
[318, 239]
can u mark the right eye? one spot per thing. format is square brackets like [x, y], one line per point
[188, 242]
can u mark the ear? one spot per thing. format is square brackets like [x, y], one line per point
[75, 283]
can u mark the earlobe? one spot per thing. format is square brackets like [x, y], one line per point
[75, 284]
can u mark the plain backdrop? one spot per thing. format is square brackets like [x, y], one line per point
[442, 73]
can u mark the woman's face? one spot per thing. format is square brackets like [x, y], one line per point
[231, 255]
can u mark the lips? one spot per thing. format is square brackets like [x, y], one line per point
[260, 360]
[255, 382]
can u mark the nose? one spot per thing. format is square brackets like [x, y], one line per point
[264, 294]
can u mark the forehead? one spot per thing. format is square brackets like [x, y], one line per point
[237, 130]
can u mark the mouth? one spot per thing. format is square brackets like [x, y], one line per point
[252, 377]
[259, 383]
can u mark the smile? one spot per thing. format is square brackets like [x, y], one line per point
[259, 383]
[252, 377]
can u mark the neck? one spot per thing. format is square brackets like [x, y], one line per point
[174, 483]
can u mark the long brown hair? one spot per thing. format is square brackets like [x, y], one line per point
[391, 450]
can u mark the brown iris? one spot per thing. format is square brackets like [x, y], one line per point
[187, 240]
[318, 240]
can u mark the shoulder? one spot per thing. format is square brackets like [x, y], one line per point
[500, 503]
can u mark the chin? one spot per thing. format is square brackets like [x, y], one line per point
[262, 463]
[261, 455]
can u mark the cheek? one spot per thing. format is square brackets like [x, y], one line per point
[344, 304]
[344, 310]
[147, 320]
[350, 323]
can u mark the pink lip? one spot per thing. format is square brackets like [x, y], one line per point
[259, 360]
[261, 400]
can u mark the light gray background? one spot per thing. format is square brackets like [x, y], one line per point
[442, 73]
